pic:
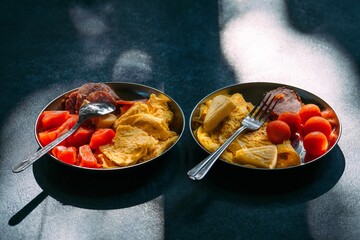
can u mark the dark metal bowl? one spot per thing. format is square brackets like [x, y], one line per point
[253, 92]
[127, 91]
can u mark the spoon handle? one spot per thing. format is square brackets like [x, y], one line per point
[30, 160]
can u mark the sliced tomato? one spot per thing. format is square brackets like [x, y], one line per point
[125, 105]
[125, 102]
[101, 137]
[47, 137]
[80, 137]
[65, 154]
[69, 123]
[87, 158]
[50, 135]
[53, 119]
[124, 109]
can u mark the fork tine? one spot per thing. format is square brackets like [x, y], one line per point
[258, 107]
[266, 113]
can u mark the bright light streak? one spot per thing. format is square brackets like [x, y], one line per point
[133, 66]
[260, 46]
[87, 22]
[93, 31]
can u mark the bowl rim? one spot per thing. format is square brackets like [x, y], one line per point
[273, 85]
[145, 89]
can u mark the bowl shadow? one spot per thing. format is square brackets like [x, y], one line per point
[105, 189]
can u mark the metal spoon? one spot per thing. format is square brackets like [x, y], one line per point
[87, 111]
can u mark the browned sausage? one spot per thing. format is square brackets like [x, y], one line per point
[88, 88]
[93, 92]
[290, 101]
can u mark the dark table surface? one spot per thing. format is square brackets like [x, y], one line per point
[186, 49]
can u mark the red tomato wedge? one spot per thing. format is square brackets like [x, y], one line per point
[125, 105]
[50, 135]
[87, 158]
[80, 137]
[125, 102]
[65, 154]
[69, 123]
[47, 137]
[53, 119]
[101, 137]
[124, 108]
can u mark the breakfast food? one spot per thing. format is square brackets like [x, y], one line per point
[272, 145]
[92, 92]
[286, 155]
[135, 132]
[142, 133]
[289, 102]
[262, 157]
[219, 109]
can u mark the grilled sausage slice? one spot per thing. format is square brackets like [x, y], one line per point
[92, 92]
[289, 101]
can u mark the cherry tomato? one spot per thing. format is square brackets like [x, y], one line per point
[319, 124]
[292, 119]
[331, 117]
[332, 138]
[315, 143]
[307, 111]
[278, 131]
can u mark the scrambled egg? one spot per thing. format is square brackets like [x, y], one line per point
[252, 139]
[142, 133]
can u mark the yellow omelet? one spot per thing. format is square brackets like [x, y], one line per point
[158, 107]
[142, 133]
[131, 145]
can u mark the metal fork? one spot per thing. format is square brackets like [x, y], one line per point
[253, 121]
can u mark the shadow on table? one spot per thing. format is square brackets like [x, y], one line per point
[101, 190]
[233, 204]
[104, 190]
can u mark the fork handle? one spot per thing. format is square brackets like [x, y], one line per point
[200, 170]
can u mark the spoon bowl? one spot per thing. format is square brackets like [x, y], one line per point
[87, 111]
[95, 109]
